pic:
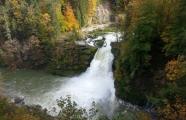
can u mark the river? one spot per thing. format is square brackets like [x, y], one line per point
[95, 84]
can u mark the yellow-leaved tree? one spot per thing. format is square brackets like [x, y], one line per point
[65, 16]
[60, 18]
[92, 4]
[173, 110]
[176, 69]
[70, 18]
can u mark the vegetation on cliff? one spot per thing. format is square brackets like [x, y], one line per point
[150, 63]
[34, 31]
[69, 58]
[31, 31]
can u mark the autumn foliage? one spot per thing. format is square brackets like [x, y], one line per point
[92, 5]
[70, 18]
[173, 110]
[176, 69]
[151, 64]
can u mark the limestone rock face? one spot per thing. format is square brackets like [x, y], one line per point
[102, 14]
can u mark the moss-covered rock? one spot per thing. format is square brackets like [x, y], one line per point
[69, 58]
[124, 89]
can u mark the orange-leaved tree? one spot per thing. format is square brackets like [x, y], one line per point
[70, 18]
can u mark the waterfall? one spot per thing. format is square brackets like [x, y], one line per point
[96, 83]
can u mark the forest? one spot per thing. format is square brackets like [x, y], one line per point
[151, 64]
[146, 68]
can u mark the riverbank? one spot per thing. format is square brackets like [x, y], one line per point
[95, 84]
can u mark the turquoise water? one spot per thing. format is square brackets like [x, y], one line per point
[34, 86]
[95, 84]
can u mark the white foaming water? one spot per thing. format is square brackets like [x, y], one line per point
[96, 84]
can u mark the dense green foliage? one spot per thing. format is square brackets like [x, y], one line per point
[9, 111]
[32, 32]
[119, 5]
[149, 62]
[81, 10]
[24, 19]
[175, 34]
